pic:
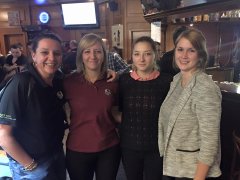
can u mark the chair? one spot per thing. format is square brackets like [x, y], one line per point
[235, 167]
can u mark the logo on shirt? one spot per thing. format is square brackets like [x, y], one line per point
[108, 92]
[60, 94]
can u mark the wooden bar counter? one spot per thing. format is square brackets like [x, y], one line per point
[220, 73]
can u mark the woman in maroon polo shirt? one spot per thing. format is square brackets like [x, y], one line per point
[93, 143]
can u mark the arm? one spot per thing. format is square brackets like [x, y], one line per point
[12, 147]
[120, 65]
[111, 75]
[10, 68]
[116, 114]
[201, 172]
[208, 109]
[67, 111]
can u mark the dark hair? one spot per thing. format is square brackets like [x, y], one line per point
[178, 31]
[198, 41]
[14, 46]
[41, 36]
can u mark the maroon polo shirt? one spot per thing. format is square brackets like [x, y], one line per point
[92, 128]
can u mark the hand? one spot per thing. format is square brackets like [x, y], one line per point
[111, 76]
[13, 67]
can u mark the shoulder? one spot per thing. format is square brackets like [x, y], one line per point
[124, 76]
[22, 77]
[166, 77]
[202, 79]
[205, 85]
[73, 78]
[8, 58]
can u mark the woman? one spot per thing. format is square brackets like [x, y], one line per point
[189, 120]
[93, 143]
[142, 92]
[32, 115]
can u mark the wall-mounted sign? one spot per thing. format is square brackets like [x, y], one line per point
[156, 31]
[117, 36]
[13, 18]
[44, 17]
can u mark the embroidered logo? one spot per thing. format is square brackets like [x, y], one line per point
[60, 94]
[108, 92]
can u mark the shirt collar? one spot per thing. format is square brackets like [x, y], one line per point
[152, 76]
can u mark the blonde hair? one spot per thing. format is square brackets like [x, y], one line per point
[87, 41]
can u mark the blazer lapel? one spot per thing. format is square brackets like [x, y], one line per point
[180, 103]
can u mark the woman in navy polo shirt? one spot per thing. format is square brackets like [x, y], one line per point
[93, 143]
[32, 116]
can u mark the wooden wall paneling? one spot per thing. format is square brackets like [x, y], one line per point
[129, 13]
[12, 34]
[56, 23]
[134, 23]
[10, 39]
[23, 10]
[115, 17]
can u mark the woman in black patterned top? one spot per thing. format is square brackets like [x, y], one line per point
[142, 92]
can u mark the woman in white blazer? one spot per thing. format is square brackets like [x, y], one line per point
[189, 119]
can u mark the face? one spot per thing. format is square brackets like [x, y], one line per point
[143, 57]
[48, 57]
[186, 56]
[93, 57]
[16, 52]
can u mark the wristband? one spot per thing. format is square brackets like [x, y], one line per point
[30, 166]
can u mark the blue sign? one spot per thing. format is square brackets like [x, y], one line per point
[44, 17]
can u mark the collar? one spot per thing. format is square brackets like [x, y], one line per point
[152, 76]
[37, 77]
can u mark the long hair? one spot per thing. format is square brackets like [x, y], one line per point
[198, 41]
[148, 40]
[87, 41]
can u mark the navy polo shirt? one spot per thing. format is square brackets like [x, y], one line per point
[36, 115]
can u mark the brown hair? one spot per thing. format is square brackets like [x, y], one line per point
[148, 40]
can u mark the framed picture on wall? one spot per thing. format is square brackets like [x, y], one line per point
[138, 33]
[13, 18]
[117, 36]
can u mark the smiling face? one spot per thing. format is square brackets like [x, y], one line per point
[143, 57]
[47, 57]
[93, 57]
[186, 56]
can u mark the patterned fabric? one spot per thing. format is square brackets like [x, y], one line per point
[140, 102]
[116, 63]
[193, 129]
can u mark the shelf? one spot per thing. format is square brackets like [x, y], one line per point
[194, 10]
[229, 20]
